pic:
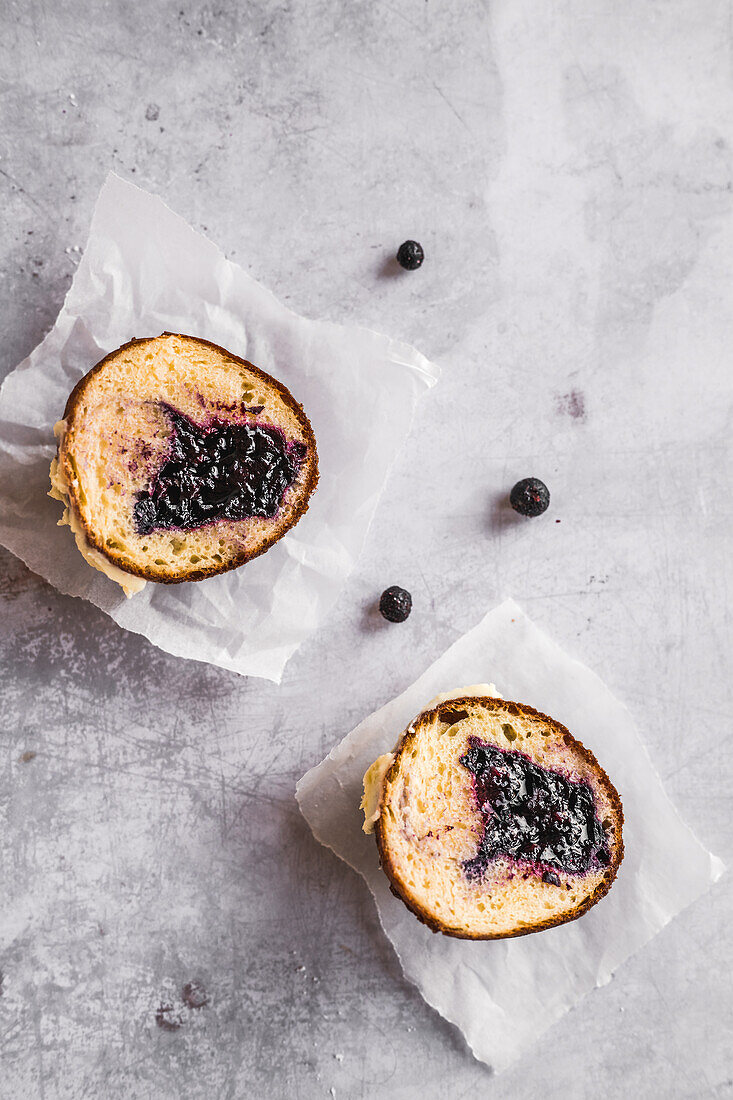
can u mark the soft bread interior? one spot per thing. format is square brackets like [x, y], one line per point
[118, 434]
[59, 491]
[376, 772]
[429, 823]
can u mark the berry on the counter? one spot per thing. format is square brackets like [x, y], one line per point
[410, 255]
[530, 497]
[395, 604]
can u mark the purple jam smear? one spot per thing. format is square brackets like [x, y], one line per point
[533, 815]
[222, 471]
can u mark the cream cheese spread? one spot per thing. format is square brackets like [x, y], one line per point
[60, 491]
[376, 772]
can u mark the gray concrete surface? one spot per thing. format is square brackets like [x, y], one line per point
[568, 170]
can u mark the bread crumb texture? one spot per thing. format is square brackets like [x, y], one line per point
[118, 433]
[429, 823]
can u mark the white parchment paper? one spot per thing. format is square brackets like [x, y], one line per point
[505, 993]
[144, 271]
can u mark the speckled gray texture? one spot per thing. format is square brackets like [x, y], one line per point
[567, 168]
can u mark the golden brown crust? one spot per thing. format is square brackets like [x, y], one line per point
[520, 710]
[150, 574]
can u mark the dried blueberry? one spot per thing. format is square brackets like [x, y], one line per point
[551, 878]
[395, 604]
[530, 497]
[410, 255]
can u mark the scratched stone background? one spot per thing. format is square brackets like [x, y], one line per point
[567, 167]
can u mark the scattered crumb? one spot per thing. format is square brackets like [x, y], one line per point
[571, 404]
[152, 112]
[26, 757]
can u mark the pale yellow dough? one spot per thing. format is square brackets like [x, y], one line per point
[60, 491]
[376, 772]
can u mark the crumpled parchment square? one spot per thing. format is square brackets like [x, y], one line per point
[503, 994]
[144, 271]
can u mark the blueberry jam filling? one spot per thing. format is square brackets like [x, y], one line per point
[223, 471]
[532, 814]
